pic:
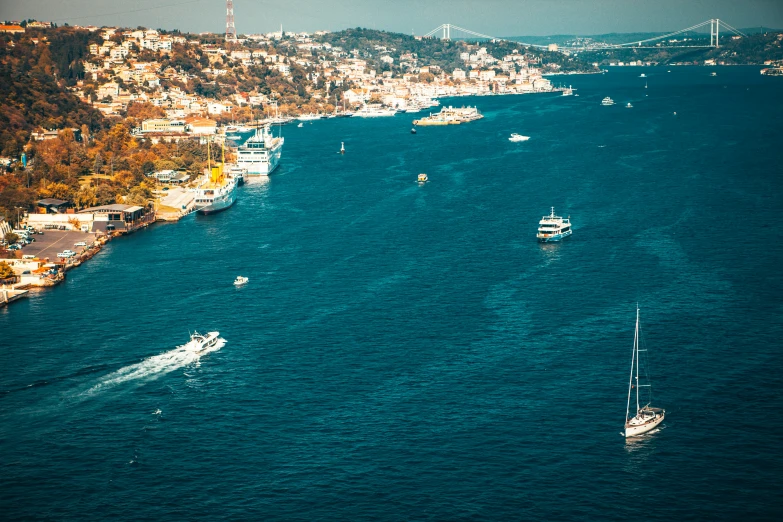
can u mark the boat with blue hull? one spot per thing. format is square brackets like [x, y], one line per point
[553, 228]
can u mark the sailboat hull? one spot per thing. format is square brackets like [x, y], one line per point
[633, 430]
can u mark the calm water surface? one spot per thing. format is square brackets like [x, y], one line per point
[407, 352]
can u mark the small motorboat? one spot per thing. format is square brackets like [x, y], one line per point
[413, 130]
[628, 105]
[300, 125]
[422, 178]
[342, 147]
[240, 280]
[200, 343]
[518, 137]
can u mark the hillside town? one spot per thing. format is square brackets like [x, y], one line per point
[198, 85]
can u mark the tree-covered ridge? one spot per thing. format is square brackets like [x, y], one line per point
[33, 77]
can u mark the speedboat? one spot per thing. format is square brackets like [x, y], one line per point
[642, 75]
[300, 124]
[518, 137]
[200, 343]
[607, 101]
[240, 280]
[628, 105]
[422, 178]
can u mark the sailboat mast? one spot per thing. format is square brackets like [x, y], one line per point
[630, 379]
[636, 355]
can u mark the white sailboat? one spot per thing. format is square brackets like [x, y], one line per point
[646, 417]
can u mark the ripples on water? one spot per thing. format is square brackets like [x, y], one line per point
[410, 352]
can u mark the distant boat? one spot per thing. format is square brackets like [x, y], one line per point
[713, 73]
[300, 124]
[607, 101]
[642, 75]
[422, 178]
[413, 130]
[240, 280]
[342, 147]
[645, 85]
[628, 105]
[309, 117]
[518, 137]
[646, 418]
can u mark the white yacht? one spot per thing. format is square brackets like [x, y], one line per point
[642, 75]
[607, 101]
[422, 178]
[240, 280]
[309, 117]
[200, 343]
[369, 111]
[518, 137]
[217, 190]
[568, 91]
[261, 153]
[628, 105]
[647, 417]
[553, 228]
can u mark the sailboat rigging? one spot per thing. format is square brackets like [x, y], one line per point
[646, 417]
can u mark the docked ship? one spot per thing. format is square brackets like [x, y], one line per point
[553, 228]
[217, 191]
[450, 116]
[260, 154]
[372, 111]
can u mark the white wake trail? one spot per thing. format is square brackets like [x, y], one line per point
[154, 367]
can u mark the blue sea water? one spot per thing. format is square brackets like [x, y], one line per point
[409, 352]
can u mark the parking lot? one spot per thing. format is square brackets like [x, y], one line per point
[51, 242]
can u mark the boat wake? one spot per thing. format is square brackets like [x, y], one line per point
[153, 367]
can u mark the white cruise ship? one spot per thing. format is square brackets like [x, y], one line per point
[261, 153]
[553, 228]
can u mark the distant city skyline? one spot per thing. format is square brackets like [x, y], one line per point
[495, 17]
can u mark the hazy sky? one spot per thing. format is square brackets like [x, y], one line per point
[493, 17]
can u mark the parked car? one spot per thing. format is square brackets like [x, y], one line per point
[67, 253]
[28, 256]
[14, 247]
[80, 244]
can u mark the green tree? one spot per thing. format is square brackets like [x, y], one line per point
[11, 238]
[5, 270]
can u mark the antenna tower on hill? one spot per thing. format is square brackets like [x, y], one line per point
[231, 32]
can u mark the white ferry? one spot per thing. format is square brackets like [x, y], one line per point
[309, 117]
[607, 101]
[261, 153]
[369, 111]
[217, 191]
[553, 228]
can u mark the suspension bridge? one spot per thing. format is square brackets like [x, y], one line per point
[444, 31]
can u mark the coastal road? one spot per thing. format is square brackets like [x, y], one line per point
[54, 241]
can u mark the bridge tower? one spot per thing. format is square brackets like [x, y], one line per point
[231, 32]
[714, 32]
[447, 31]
